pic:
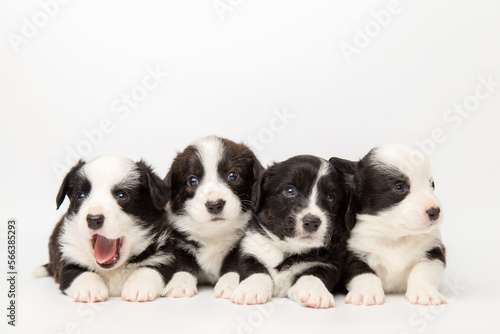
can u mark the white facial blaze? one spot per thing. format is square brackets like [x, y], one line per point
[318, 237]
[211, 187]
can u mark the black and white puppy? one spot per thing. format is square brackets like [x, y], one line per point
[295, 243]
[114, 239]
[211, 187]
[395, 245]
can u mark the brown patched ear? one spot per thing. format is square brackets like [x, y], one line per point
[257, 167]
[158, 189]
[65, 185]
[168, 179]
[347, 169]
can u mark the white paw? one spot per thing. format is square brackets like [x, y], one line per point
[88, 288]
[226, 285]
[424, 296]
[366, 290]
[182, 284]
[311, 292]
[256, 289]
[143, 285]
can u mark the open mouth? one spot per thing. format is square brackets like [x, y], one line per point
[106, 251]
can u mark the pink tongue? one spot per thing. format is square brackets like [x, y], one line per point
[104, 249]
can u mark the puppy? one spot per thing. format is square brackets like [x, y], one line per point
[295, 243]
[395, 245]
[211, 185]
[114, 239]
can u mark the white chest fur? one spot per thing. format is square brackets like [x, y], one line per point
[392, 259]
[115, 279]
[271, 253]
[215, 241]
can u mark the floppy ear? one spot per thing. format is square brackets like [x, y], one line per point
[257, 190]
[350, 214]
[158, 189]
[347, 169]
[64, 188]
[257, 168]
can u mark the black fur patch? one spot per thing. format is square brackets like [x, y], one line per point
[186, 164]
[73, 184]
[375, 185]
[354, 266]
[301, 172]
[146, 200]
[249, 265]
[438, 253]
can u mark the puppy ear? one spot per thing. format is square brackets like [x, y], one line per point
[347, 170]
[64, 188]
[350, 214]
[257, 168]
[346, 167]
[257, 191]
[158, 190]
[168, 179]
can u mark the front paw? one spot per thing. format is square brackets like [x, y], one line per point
[226, 285]
[365, 290]
[367, 298]
[311, 292]
[256, 289]
[88, 288]
[182, 284]
[424, 296]
[143, 285]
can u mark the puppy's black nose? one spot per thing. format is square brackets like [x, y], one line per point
[433, 213]
[215, 207]
[311, 223]
[95, 221]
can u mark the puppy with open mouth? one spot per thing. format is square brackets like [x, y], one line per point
[211, 188]
[396, 244]
[114, 239]
[295, 243]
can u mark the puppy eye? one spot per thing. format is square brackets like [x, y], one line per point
[232, 176]
[122, 196]
[193, 181]
[289, 191]
[331, 198]
[80, 196]
[433, 185]
[400, 189]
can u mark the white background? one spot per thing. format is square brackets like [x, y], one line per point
[228, 74]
